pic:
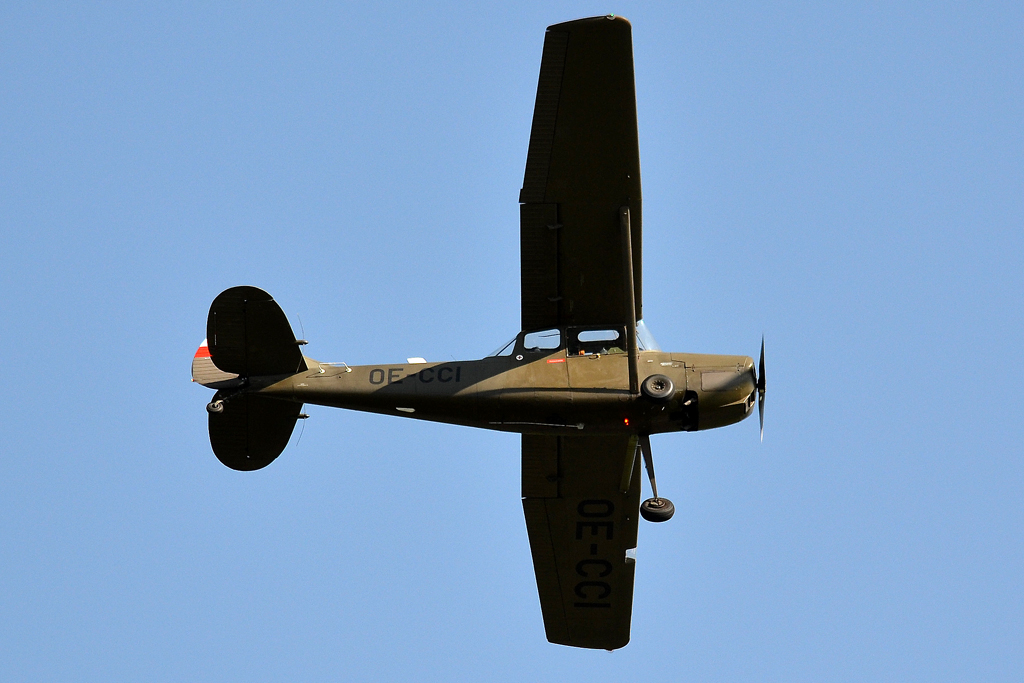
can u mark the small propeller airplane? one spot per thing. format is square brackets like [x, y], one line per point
[584, 383]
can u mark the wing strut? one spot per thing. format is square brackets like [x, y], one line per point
[630, 293]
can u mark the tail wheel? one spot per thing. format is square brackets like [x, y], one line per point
[658, 387]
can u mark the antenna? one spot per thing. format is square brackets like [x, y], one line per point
[303, 417]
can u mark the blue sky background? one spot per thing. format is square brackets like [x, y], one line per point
[845, 178]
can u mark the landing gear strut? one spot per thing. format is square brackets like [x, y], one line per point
[654, 509]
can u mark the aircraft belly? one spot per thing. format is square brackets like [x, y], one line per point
[536, 410]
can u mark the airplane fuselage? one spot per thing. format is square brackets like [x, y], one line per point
[537, 392]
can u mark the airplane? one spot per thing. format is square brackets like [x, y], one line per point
[584, 382]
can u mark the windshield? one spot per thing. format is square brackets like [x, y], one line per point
[503, 350]
[644, 338]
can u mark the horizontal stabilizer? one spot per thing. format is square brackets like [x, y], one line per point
[249, 335]
[252, 430]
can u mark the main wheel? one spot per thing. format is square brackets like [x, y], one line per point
[658, 387]
[657, 509]
[215, 407]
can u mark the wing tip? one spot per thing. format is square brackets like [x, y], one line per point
[575, 23]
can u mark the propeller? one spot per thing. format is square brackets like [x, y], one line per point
[760, 389]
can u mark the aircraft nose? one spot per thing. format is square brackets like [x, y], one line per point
[749, 383]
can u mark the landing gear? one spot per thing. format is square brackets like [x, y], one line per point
[215, 407]
[654, 509]
[657, 509]
[658, 387]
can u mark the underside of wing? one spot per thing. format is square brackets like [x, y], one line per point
[583, 167]
[581, 497]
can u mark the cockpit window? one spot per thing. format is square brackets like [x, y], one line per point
[587, 341]
[504, 350]
[644, 338]
[546, 340]
[582, 341]
[598, 335]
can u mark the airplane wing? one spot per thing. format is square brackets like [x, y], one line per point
[582, 166]
[581, 497]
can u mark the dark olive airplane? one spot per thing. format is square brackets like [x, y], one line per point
[584, 382]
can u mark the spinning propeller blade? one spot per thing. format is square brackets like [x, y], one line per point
[760, 389]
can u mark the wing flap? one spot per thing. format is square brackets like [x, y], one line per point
[538, 235]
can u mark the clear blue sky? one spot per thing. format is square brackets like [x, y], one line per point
[845, 178]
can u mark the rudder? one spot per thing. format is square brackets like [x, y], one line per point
[209, 375]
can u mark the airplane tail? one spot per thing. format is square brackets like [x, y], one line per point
[247, 336]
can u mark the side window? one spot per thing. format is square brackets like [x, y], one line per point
[586, 341]
[546, 340]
